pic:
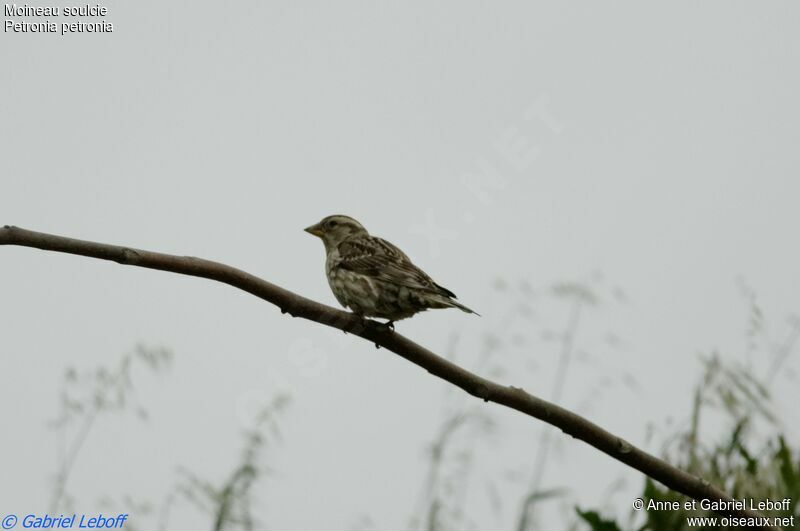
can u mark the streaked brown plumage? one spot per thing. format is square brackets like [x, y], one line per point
[374, 278]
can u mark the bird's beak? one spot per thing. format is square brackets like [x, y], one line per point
[315, 230]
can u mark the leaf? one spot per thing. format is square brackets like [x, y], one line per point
[597, 522]
[791, 477]
[751, 462]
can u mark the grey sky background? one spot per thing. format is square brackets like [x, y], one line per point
[646, 149]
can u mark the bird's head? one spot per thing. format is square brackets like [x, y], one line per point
[333, 230]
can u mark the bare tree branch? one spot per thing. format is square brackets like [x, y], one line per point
[298, 306]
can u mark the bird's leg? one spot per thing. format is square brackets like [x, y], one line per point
[388, 326]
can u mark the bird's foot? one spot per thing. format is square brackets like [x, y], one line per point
[389, 325]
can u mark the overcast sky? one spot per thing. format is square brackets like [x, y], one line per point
[650, 152]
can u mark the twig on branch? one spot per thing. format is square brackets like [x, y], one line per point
[298, 306]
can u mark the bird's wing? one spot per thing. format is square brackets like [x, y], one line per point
[377, 258]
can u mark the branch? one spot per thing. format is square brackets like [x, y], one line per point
[298, 306]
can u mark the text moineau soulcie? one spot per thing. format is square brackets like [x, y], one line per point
[86, 10]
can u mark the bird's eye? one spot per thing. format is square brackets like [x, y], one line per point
[332, 224]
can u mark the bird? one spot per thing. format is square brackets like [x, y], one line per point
[373, 277]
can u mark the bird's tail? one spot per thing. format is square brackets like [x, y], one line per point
[447, 298]
[456, 304]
